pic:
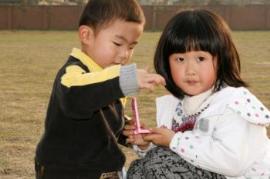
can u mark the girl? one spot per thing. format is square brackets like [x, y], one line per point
[211, 126]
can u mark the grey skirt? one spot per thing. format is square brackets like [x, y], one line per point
[162, 163]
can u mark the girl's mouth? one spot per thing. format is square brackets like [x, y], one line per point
[191, 82]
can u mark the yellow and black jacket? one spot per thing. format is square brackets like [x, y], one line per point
[75, 135]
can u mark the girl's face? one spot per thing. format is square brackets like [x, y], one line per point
[114, 43]
[194, 72]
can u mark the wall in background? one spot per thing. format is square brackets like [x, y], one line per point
[251, 17]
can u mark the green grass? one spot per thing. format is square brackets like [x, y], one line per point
[29, 61]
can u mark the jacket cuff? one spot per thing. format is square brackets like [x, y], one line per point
[142, 152]
[175, 141]
[128, 80]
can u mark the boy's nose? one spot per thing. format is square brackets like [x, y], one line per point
[124, 56]
[121, 60]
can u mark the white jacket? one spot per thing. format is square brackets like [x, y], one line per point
[229, 137]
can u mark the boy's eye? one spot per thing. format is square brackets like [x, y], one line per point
[132, 47]
[117, 44]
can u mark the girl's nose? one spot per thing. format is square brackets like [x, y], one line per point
[190, 68]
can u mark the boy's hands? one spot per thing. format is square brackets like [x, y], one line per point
[148, 80]
[160, 136]
[136, 139]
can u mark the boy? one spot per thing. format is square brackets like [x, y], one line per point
[85, 115]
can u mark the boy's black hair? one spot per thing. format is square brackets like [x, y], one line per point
[199, 30]
[100, 12]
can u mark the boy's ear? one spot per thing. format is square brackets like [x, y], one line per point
[86, 34]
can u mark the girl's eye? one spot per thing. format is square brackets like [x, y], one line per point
[179, 59]
[200, 59]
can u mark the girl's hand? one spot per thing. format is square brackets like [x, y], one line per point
[148, 80]
[132, 138]
[160, 136]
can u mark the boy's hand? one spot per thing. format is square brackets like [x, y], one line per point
[132, 138]
[160, 136]
[148, 80]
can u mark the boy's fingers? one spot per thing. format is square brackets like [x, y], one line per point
[149, 80]
[131, 121]
[157, 79]
[143, 125]
[148, 86]
[130, 140]
[147, 69]
[128, 132]
[129, 127]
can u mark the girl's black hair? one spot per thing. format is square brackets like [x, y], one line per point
[194, 30]
[100, 12]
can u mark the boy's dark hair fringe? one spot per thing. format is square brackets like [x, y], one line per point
[101, 12]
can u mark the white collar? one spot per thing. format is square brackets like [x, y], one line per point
[192, 104]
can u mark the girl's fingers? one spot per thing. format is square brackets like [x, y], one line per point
[156, 130]
[150, 137]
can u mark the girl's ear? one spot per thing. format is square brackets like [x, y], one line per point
[86, 34]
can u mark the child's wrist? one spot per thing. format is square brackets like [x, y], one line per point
[128, 80]
[143, 146]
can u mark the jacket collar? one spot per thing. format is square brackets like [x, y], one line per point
[192, 104]
[86, 60]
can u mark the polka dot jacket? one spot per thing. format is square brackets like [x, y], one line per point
[229, 135]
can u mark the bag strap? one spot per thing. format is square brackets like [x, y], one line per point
[107, 126]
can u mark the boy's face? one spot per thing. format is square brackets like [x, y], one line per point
[114, 43]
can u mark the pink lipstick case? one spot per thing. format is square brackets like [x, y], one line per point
[138, 129]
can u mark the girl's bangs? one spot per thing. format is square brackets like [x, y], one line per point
[192, 40]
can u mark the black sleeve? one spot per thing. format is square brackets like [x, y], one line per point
[80, 93]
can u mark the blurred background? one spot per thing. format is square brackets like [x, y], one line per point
[142, 2]
[64, 14]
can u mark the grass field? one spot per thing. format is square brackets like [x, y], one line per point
[29, 61]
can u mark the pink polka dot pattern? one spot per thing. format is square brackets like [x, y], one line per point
[250, 108]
